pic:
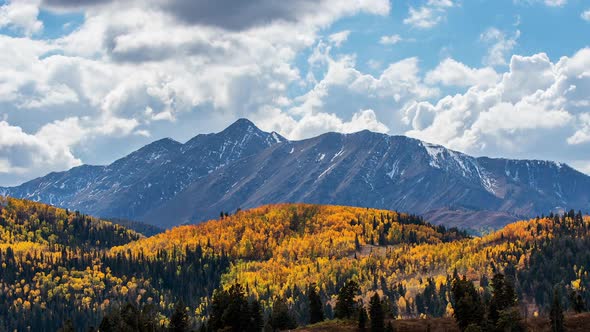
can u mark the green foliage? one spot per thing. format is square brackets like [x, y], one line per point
[363, 318]
[129, 318]
[468, 306]
[503, 297]
[509, 320]
[281, 318]
[376, 314]
[316, 310]
[231, 311]
[556, 313]
[179, 319]
[345, 305]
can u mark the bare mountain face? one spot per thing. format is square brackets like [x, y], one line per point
[167, 183]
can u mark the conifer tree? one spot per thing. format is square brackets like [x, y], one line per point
[467, 303]
[376, 314]
[556, 313]
[281, 318]
[362, 318]
[179, 318]
[345, 301]
[316, 312]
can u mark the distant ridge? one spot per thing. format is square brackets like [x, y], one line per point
[168, 183]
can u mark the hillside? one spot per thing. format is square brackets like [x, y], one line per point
[280, 249]
[167, 183]
[276, 252]
[56, 267]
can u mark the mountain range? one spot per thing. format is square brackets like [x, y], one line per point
[167, 183]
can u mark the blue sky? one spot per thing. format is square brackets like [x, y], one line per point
[90, 83]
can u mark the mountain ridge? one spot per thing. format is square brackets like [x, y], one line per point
[167, 183]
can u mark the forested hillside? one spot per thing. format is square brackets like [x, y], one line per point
[60, 265]
[56, 267]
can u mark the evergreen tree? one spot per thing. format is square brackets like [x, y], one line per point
[556, 313]
[256, 322]
[362, 318]
[467, 303]
[345, 305]
[67, 327]
[281, 318]
[509, 320]
[376, 314]
[503, 297]
[577, 302]
[316, 312]
[179, 318]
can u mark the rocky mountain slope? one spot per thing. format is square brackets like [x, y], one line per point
[167, 183]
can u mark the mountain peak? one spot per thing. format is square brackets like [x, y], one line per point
[241, 124]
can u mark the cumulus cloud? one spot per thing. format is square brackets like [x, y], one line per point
[21, 15]
[453, 73]
[134, 66]
[586, 15]
[538, 108]
[24, 155]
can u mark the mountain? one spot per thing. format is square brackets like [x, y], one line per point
[157, 172]
[167, 183]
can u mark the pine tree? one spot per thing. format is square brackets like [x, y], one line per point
[67, 327]
[362, 318]
[467, 303]
[376, 314]
[503, 297]
[179, 318]
[256, 322]
[345, 301]
[280, 317]
[556, 313]
[316, 312]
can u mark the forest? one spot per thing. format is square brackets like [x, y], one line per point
[281, 266]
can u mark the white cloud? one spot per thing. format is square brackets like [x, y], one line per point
[22, 15]
[339, 37]
[586, 15]
[313, 124]
[538, 109]
[133, 67]
[24, 155]
[452, 73]
[390, 40]
[556, 3]
[501, 46]
[428, 15]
